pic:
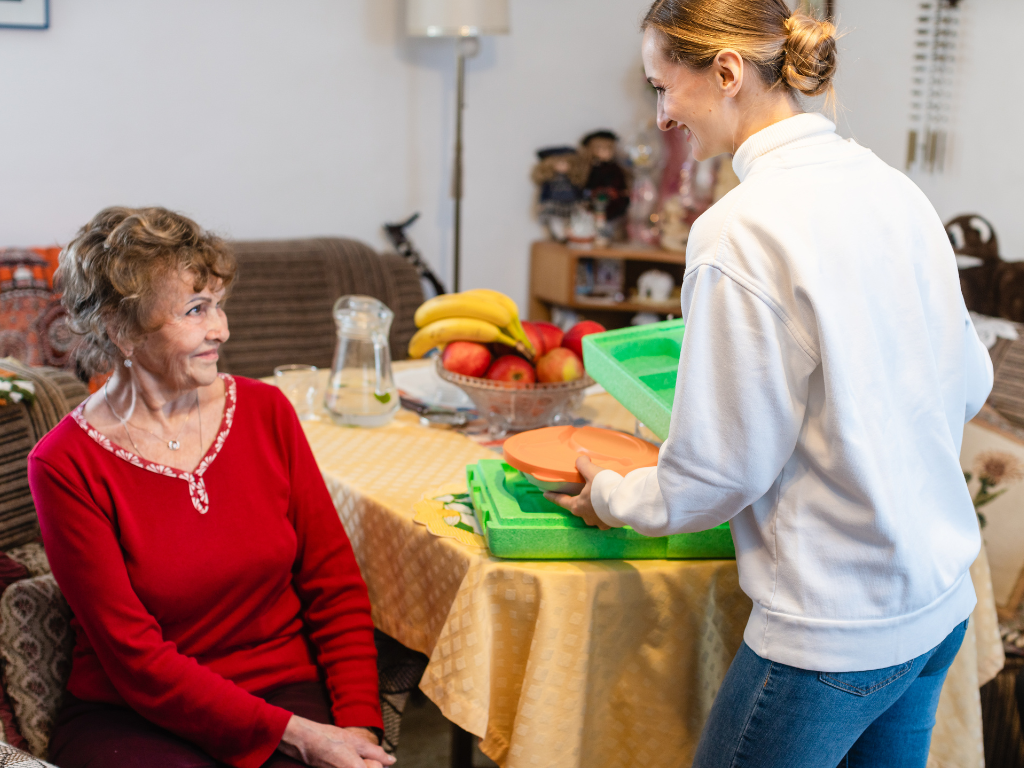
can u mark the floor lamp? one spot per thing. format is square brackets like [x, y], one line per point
[465, 20]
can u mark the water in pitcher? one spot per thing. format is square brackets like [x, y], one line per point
[361, 391]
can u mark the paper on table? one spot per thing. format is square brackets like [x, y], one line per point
[448, 512]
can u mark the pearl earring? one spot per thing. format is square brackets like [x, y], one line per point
[127, 363]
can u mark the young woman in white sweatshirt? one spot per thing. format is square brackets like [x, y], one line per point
[827, 370]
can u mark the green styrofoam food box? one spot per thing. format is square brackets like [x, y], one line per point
[638, 366]
[520, 523]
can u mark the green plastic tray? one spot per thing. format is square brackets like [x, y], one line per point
[638, 367]
[520, 523]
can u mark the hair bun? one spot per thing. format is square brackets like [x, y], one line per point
[810, 54]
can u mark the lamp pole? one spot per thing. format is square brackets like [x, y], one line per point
[465, 48]
[464, 20]
[460, 104]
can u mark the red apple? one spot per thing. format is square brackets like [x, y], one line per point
[512, 368]
[467, 358]
[560, 364]
[536, 338]
[552, 335]
[574, 336]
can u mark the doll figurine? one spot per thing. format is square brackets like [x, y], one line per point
[560, 176]
[674, 229]
[607, 186]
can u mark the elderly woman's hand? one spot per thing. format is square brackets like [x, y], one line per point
[581, 506]
[325, 746]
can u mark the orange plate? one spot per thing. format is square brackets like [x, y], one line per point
[549, 454]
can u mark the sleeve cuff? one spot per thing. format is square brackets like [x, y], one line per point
[272, 722]
[358, 715]
[601, 491]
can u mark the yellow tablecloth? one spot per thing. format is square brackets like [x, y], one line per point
[610, 663]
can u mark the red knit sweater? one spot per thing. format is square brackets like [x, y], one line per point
[192, 591]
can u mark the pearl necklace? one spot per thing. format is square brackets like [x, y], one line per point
[174, 444]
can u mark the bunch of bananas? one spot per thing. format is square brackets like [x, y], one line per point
[479, 315]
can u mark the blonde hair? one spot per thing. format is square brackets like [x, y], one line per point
[112, 272]
[788, 49]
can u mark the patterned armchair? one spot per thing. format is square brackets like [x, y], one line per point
[35, 638]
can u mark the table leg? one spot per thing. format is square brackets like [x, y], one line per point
[462, 748]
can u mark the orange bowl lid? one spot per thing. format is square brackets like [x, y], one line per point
[549, 454]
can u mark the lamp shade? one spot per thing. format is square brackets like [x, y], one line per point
[456, 18]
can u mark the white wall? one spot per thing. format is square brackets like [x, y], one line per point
[281, 118]
[986, 170]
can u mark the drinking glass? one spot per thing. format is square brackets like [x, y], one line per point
[299, 384]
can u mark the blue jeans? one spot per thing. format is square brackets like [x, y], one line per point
[769, 715]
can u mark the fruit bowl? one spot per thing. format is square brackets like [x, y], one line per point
[513, 407]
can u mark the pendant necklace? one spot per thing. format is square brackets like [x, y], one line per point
[173, 444]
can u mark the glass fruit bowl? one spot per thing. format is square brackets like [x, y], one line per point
[514, 407]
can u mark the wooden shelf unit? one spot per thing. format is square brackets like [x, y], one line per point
[553, 281]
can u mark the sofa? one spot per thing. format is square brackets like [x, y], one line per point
[279, 311]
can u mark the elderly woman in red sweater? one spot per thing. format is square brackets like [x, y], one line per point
[219, 613]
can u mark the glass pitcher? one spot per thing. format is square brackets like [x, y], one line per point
[361, 391]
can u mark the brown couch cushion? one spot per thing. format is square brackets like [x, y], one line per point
[279, 310]
[57, 392]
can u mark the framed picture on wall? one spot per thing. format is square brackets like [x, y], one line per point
[25, 14]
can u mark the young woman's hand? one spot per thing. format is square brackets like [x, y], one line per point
[325, 746]
[581, 506]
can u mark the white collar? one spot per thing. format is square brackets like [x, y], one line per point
[779, 134]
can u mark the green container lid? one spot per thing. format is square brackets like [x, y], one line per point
[638, 367]
[520, 523]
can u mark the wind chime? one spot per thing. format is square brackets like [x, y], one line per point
[931, 102]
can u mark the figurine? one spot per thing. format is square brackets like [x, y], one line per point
[642, 224]
[607, 182]
[645, 318]
[674, 229]
[654, 285]
[560, 175]
[610, 278]
[582, 229]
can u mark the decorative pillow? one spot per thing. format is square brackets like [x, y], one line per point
[15, 758]
[10, 572]
[32, 558]
[36, 641]
[35, 328]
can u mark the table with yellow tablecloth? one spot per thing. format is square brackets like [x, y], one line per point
[587, 663]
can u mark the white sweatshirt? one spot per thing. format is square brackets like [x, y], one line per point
[827, 370]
